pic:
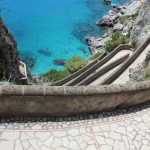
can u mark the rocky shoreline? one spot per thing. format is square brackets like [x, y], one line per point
[111, 20]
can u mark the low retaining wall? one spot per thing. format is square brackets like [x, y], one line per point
[93, 68]
[45, 100]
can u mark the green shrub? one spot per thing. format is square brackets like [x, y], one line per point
[146, 73]
[71, 65]
[54, 75]
[117, 39]
[131, 70]
[128, 17]
[75, 64]
[134, 16]
[123, 19]
[134, 40]
[95, 56]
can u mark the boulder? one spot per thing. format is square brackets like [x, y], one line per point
[118, 26]
[59, 62]
[128, 27]
[108, 20]
[45, 52]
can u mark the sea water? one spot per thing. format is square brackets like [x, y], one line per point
[47, 30]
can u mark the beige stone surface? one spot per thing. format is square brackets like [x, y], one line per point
[128, 131]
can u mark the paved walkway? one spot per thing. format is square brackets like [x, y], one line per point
[124, 129]
[117, 56]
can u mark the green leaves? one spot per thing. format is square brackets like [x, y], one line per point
[71, 65]
[117, 39]
[75, 64]
[54, 75]
[123, 19]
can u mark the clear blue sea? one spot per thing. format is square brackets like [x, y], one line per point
[46, 30]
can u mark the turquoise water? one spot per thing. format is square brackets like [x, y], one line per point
[52, 29]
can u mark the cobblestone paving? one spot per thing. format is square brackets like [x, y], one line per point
[124, 129]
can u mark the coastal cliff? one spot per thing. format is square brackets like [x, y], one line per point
[9, 55]
[141, 27]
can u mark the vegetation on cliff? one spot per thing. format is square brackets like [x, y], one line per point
[75, 63]
[123, 19]
[72, 65]
[117, 39]
[54, 75]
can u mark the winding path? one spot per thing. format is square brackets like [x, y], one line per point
[90, 77]
[118, 55]
[88, 70]
[125, 129]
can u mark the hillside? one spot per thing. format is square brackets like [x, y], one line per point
[9, 56]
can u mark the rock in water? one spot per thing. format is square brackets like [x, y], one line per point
[59, 62]
[45, 52]
[107, 1]
[82, 48]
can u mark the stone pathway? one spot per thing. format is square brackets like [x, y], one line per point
[118, 55]
[124, 129]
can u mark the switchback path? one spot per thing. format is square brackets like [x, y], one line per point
[118, 55]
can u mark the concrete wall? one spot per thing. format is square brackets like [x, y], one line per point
[42, 100]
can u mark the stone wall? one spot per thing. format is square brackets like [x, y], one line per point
[42, 100]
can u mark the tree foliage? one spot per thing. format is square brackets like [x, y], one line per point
[75, 63]
[71, 65]
[117, 39]
[54, 75]
[128, 17]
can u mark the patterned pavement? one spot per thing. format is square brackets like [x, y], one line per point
[124, 129]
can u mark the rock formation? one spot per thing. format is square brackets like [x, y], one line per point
[141, 28]
[123, 18]
[9, 56]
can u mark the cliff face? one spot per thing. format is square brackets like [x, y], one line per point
[9, 56]
[141, 28]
